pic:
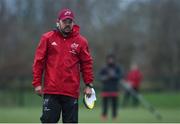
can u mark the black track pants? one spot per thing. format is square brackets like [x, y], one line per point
[53, 105]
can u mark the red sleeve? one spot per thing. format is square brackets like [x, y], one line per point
[39, 60]
[86, 64]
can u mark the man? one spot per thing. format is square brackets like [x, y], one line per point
[110, 76]
[133, 78]
[60, 57]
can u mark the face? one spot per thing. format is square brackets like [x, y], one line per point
[134, 66]
[66, 25]
[110, 60]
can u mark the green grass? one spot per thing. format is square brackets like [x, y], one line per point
[168, 104]
[28, 115]
[164, 100]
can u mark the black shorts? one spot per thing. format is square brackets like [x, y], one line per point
[53, 105]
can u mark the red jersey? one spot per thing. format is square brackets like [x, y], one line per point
[134, 77]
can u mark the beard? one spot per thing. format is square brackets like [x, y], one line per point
[64, 31]
[67, 30]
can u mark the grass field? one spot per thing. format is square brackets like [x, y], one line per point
[18, 115]
[168, 104]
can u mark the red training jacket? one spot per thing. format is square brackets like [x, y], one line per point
[134, 77]
[61, 60]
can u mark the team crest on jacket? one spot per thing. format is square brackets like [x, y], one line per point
[74, 46]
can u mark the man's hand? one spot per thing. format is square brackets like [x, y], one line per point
[88, 90]
[38, 90]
